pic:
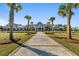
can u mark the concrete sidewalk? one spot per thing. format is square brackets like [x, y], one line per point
[42, 45]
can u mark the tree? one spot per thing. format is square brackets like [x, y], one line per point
[32, 26]
[75, 29]
[1, 28]
[52, 20]
[13, 7]
[65, 10]
[28, 18]
[48, 26]
[65, 27]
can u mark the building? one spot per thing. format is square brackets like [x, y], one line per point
[15, 27]
[36, 27]
[40, 26]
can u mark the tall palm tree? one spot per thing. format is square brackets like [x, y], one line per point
[65, 10]
[28, 18]
[48, 26]
[32, 26]
[13, 7]
[52, 20]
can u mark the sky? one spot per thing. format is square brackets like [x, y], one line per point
[39, 12]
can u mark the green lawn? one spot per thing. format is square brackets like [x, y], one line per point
[60, 37]
[6, 49]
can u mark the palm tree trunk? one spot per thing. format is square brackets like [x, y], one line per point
[11, 19]
[69, 26]
[31, 27]
[28, 27]
[52, 26]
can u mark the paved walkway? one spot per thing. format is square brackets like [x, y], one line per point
[41, 45]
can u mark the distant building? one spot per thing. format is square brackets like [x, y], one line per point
[36, 27]
[40, 26]
[15, 27]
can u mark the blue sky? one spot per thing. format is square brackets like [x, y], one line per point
[39, 12]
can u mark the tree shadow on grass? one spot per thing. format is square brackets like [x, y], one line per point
[75, 41]
[7, 41]
[59, 37]
[37, 51]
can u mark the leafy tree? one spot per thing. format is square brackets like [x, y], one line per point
[48, 26]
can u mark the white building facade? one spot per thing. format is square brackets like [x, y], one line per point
[36, 27]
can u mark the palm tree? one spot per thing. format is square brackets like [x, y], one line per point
[13, 7]
[48, 26]
[28, 18]
[52, 20]
[65, 26]
[65, 10]
[32, 26]
[1, 28]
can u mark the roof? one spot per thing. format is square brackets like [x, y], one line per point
[39, 23]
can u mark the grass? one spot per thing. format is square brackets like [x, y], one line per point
[60, 37]
[6, 49]
[21, 31]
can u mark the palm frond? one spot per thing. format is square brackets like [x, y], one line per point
[52, 18]
[62, 7]
[72, 13]
[61, 13]
[27, 17]
[69, 5]
[18, 7]
[9, 4]
[76, 5]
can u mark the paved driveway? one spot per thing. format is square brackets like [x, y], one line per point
[41, 45]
